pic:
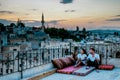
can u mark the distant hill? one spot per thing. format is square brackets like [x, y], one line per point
[104, 31]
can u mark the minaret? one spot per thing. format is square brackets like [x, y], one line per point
[18, 22]
[42, 21]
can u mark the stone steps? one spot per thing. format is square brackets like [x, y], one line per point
[44, 74]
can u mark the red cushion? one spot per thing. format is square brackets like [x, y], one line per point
[106, 67]
[57, 63]
[68, 70]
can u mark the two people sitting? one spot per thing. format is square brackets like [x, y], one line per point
[92, 59]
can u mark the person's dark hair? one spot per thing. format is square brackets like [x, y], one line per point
[85, 52]
[76, 48]
[92, 49]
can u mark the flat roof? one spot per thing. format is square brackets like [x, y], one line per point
[102, 75]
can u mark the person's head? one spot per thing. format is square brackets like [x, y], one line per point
[76, 49]
[92, 50]
[83, 51]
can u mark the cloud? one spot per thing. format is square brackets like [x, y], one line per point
[66, 1]
[54, 22]
[66, 10]
[0, 4]
[117, 16]
[114, 19]
[6, 22]
[6, 12]
[110, 27]
[31, 23]
[69, 10]
[72, 10]
[90, 22]
[37, 23]
[27, 14]
[34, 9]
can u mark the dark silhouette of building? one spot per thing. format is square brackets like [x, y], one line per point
[42, 21]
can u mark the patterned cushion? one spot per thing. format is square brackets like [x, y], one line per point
[68, 70]
[66, 62]
[71, 59]
[83, 71]
[106, 67]
[57, 63]
[63, 62]
[69, 62]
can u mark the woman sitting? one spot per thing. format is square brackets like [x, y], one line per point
[74, 55]
[81, 58]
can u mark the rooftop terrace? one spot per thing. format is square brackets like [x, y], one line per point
[28, 64]
[102, 75]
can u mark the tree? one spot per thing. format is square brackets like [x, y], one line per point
[22, 24]
[2, 27]
[116, 33]
[84, 33]
[63, 34]
[12, 25]
[84, 30]
[77, 28]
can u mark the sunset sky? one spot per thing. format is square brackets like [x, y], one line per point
[92, 14]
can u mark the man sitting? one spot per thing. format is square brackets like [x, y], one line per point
[93, 59]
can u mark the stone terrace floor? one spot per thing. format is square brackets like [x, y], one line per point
[102, 75]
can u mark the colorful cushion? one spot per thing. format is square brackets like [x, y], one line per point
[106, 67]
[57, 63]
[68, 70]
[83, 71]
[71, 59]
[69, 62]
[66, 62]
[63, 62]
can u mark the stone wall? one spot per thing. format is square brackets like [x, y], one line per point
[113, 61]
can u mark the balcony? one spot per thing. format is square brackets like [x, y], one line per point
[36, 64]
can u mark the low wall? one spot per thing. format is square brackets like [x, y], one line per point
[28, 73]
[37, 70]
[114, 61]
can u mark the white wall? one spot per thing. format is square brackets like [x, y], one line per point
[113, 61]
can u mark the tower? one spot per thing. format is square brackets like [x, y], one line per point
[42, 21]
[18, 22]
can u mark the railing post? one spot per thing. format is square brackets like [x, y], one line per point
[18, 61]
[21, 67]
[106, 53]
[43, 56]
[2, 65]
[70, 48]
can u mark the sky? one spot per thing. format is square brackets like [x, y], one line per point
[91, 14]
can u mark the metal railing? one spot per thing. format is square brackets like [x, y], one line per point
[19, 61]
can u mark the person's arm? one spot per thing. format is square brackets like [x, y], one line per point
[88, 57]
[73, 54]
[78, 57]
[97, 58]
[85, 57]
